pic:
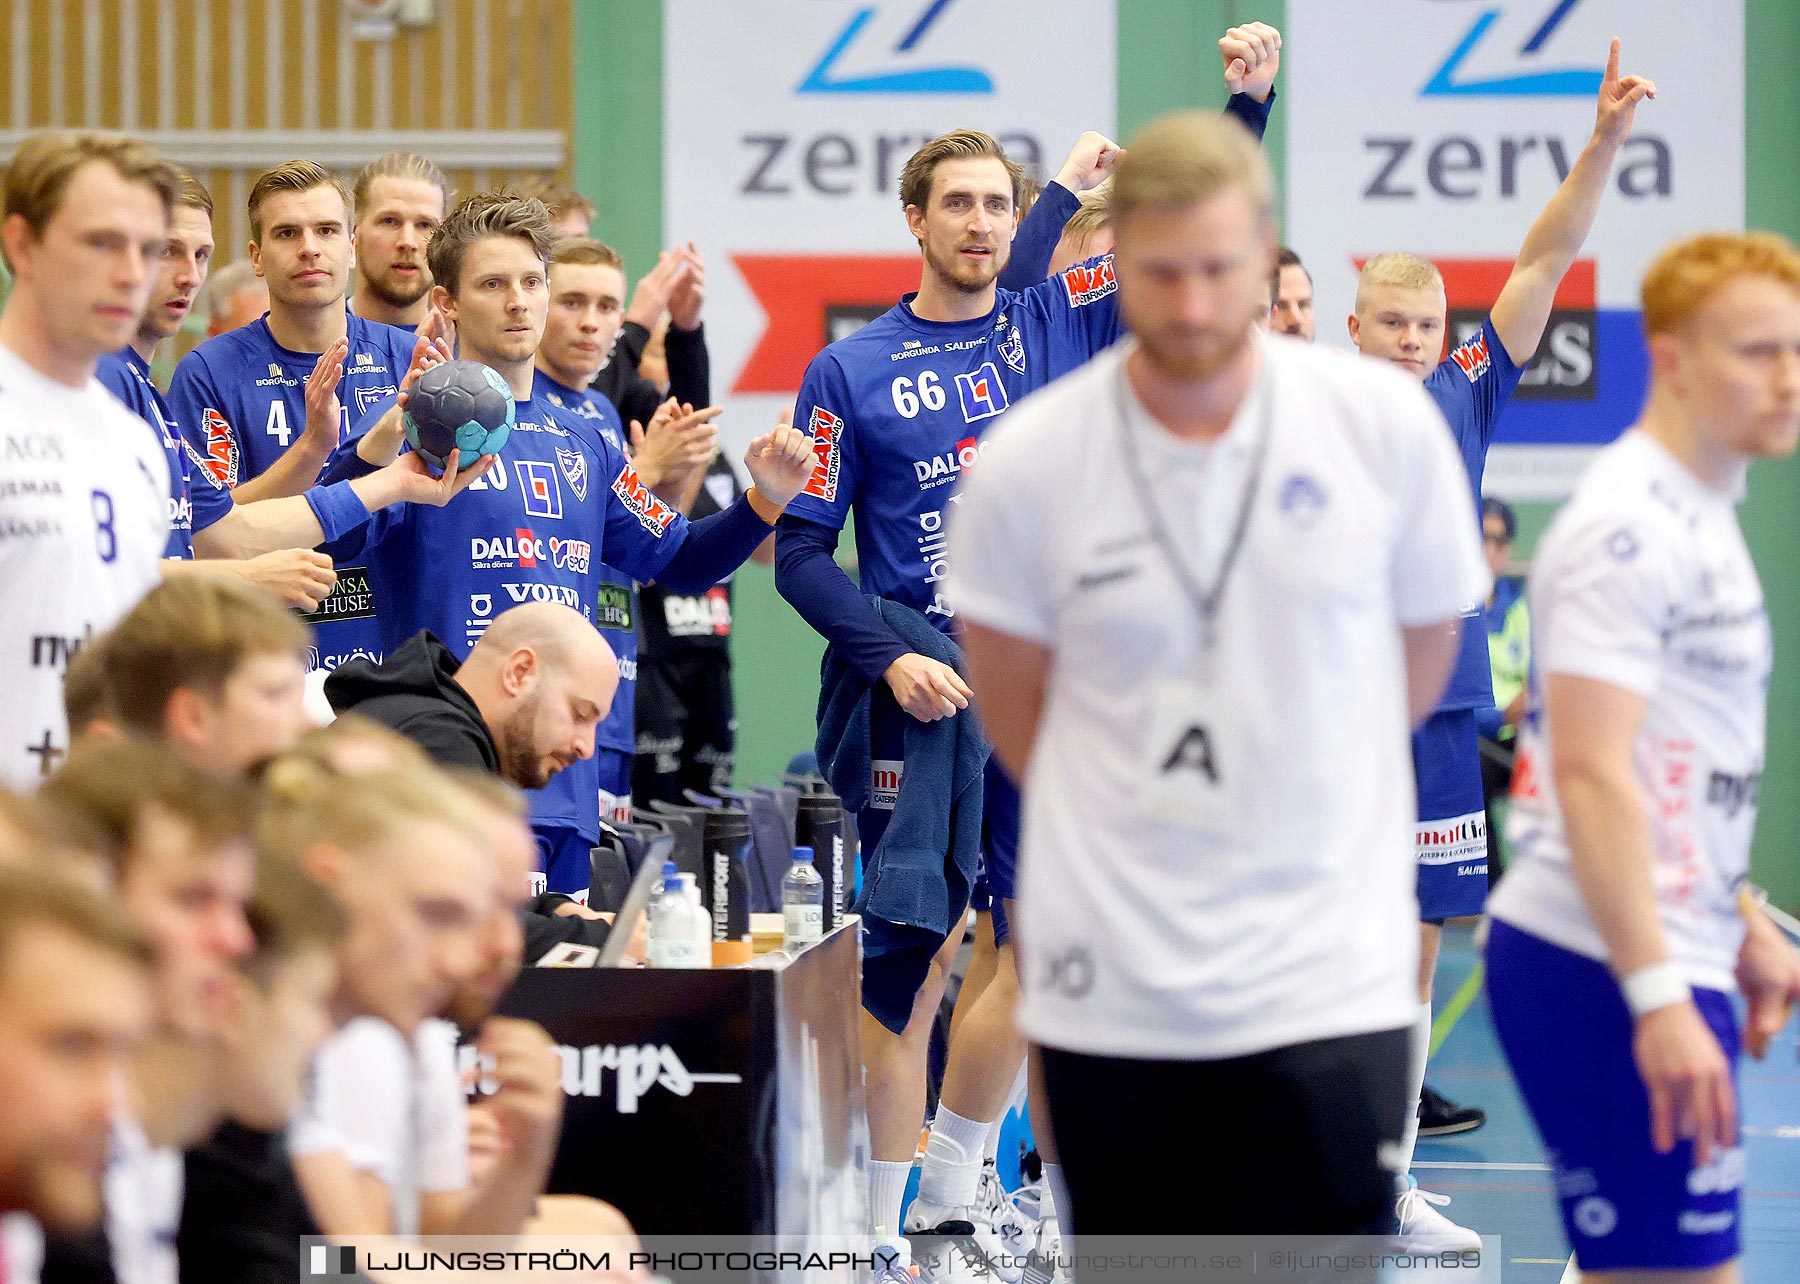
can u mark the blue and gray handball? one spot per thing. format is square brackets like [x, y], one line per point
[462, 406]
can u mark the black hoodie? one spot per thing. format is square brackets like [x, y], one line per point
[414, 691]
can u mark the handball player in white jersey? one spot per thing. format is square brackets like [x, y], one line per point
[83, 488]
[1625, 923]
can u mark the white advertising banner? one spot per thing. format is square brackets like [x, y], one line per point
[786, 125]
[1444, 126]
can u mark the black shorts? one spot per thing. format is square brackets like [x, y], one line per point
[1293, 1137]
[686, 727]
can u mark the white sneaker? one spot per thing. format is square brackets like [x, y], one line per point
[1016, 1230]
[1426, 1229]
[1042, 1268]
[954, 1243]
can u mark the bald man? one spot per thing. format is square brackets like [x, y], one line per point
[523, 706]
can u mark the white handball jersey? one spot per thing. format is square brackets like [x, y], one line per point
[1643, 582]
[83, 524]
[1287, 913]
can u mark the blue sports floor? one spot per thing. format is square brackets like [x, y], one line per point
[1499, 1181]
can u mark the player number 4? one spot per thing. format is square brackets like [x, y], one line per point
[930, 394]
[277, 427]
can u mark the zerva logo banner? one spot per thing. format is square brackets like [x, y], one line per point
[1443, 127]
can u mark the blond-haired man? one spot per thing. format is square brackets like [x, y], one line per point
[1622, 927]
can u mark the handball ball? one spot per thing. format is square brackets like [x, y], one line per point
[459, 405]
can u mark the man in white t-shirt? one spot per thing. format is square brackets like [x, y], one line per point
[1158, 636]
[83, 488]
[1623, 925]
[381, 1143]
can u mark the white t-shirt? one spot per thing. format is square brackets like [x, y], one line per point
[144, 1186]
[1149, 935]
[22, 1247]
[392, 1109]
[1643, 582]
[83, 523]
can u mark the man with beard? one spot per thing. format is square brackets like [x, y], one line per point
[400, 198]
[896, 413]
[524, 705]
[1257, 517]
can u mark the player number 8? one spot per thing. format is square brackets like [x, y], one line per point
[106, 540]
[931, 394]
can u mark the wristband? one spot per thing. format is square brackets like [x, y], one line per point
[1657, 986]
[339, 509]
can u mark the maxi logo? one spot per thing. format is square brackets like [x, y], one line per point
[1550, 82]
[574, 468]
[906, 77]
[827, 431]
[982, 394]
[1086, 282]
[221, 448]
[654, 515]
[543, 495]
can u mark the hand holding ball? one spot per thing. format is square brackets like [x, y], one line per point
[462, 406]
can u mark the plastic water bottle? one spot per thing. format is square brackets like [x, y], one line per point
[802, 904]
[893, 1257]
[701, 924]
[673, 941]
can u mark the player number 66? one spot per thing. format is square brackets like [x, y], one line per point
[931, 394]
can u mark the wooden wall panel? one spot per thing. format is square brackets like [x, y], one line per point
[230, 87]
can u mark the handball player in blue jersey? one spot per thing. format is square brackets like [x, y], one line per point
[273, 537]
[542, 518]
[585, 290]
[264, 405]
[1400, 317]
[896, 413]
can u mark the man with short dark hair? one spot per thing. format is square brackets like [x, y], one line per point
[1291, 311]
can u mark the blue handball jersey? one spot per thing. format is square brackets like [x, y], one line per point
[196, 501]
[616, 609]
[535, 529]
[1472, 387]
[240, 401]
[897, 411]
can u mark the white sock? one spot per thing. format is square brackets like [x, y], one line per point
[952, 1171]
[991, 1151]
[1060, 1204]
[1415, 1082]
[887, 1191]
